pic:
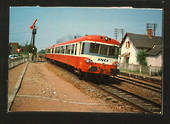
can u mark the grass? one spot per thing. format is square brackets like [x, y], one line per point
[137, 71]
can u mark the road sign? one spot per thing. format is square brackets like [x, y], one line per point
[18, 50]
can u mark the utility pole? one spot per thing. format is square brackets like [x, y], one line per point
[122, 32]
[152, 27]
[117, 31]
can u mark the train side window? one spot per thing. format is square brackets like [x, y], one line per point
[58, 49]
[72, 49]
[53, 50]
[68, 49]
[62, 49]
[82, 49]
[75, 49]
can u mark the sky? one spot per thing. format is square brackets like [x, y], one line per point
[62, 23]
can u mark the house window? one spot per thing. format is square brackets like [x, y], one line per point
[127, 44]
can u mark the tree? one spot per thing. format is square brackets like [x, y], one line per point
[27, 49]
[141, 58]
[42, 51]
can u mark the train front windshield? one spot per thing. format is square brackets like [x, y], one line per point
[97, 49]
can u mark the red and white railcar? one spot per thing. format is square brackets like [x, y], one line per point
[88, 54]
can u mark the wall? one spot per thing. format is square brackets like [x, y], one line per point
[154, 60]
[132, 50]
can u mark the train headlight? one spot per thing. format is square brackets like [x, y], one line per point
[106, 38]
[87, 60]
[115, 63]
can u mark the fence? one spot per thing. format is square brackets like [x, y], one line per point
[14, 62]
[149, 70]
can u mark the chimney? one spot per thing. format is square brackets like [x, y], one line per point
[149, 32]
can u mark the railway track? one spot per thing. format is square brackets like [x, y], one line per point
[140, 83]
[144, 104]
[140, 102]
[136, 77]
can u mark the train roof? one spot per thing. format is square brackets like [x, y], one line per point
[97, 38]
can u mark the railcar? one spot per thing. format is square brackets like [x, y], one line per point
[88, 54]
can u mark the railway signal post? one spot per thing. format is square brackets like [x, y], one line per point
[34, 31]
[33, 42]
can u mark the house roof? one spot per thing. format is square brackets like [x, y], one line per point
[14, 44]
[143, 41]
[155, 50]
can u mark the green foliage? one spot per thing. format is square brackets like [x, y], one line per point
[160, 72]
[141, 57]
[42, 51]
[26, 49]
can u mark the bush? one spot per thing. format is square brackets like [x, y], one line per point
[141, 57]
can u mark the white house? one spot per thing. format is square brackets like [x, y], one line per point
[132, 43]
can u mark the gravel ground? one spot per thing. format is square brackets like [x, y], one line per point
[154, 96]
[115, 104]
[47, 87]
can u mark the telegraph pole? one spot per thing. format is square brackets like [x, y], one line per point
[122, 32]
[152, 27]
[117, 31]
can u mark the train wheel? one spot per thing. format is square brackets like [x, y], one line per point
[86, 76]
[99, 78]
[80, 74]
